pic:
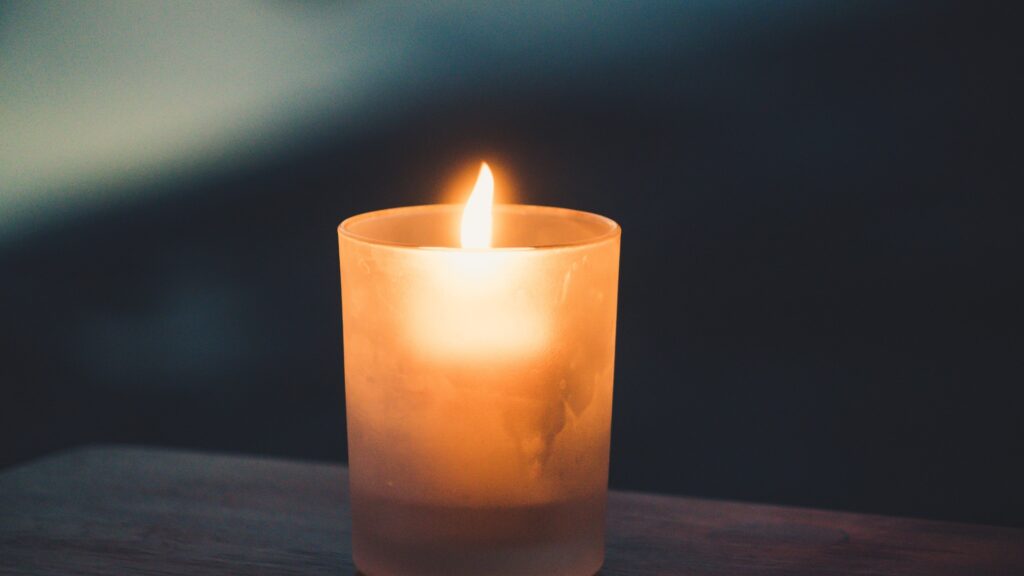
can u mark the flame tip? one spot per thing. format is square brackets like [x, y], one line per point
[476, 216]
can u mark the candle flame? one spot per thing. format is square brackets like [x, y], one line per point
[476, 216]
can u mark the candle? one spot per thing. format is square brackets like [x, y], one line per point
[479, 348]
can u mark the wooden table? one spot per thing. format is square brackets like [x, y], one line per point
[126, 511]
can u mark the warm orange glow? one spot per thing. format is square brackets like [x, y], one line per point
[478, 386]
[477, 217]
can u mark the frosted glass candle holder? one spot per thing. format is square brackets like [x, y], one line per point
[478, 385]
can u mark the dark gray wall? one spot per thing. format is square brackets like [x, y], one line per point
[819, 293]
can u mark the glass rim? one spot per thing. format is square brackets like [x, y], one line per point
[612, 228]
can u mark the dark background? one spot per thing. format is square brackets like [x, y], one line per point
[821, 205]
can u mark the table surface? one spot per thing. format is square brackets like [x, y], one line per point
[116, 510]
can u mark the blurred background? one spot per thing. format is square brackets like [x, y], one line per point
[820, 289]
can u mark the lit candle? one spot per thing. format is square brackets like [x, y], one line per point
[479, 351]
